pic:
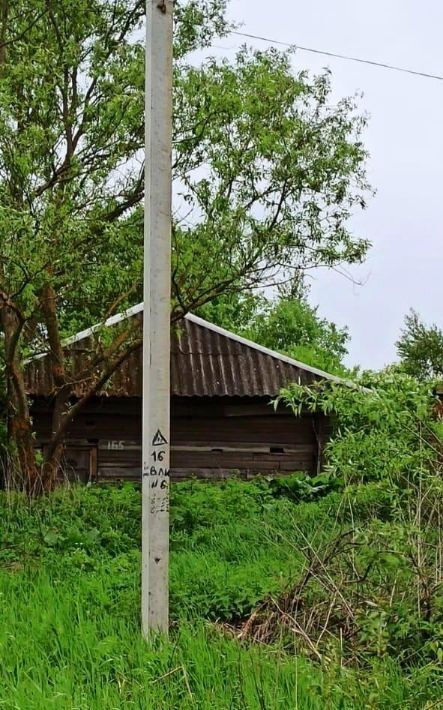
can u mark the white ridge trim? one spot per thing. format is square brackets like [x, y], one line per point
[113, 320]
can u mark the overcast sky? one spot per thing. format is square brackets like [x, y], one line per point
[404, 138]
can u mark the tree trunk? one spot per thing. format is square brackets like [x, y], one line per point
[24, 473]
[4, 12]
[54, 451]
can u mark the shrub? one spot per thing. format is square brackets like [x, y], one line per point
[374, 587]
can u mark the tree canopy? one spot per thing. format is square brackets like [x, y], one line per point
[293, 326]
[420, 348]
[267, 171]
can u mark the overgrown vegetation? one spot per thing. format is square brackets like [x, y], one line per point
[305, 592]
[292, 326]
[375, 588]
[69, 598]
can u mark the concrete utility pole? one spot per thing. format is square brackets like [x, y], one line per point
[156, 325]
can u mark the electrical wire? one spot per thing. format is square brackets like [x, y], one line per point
[335, 55]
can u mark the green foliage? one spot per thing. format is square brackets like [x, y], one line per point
[233, 311]
[381, 425]
[69, 596]
[303, 487]
[387, 449]
[420, 348]
[292, 326]
[71, 132]
[267, 169]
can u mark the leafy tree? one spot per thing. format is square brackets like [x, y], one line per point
[71, 180]
[420, 348]
[266, 175]
[268, 178]
[293, 327]
[233, 311]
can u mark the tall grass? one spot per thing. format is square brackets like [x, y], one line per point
[69, 597]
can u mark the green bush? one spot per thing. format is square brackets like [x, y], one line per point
[384, 564]
[383, 425]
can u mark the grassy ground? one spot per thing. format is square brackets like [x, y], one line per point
[69, 597]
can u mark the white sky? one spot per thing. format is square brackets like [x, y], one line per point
[405, 139]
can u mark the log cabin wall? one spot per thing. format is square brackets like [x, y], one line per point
[211, 437]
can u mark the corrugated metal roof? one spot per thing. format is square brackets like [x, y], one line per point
[206, 361]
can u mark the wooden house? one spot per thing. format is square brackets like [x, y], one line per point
[222, 418]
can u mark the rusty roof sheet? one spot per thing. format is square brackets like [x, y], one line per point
[206, 361]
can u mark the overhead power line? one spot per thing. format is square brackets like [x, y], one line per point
[335, 55]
